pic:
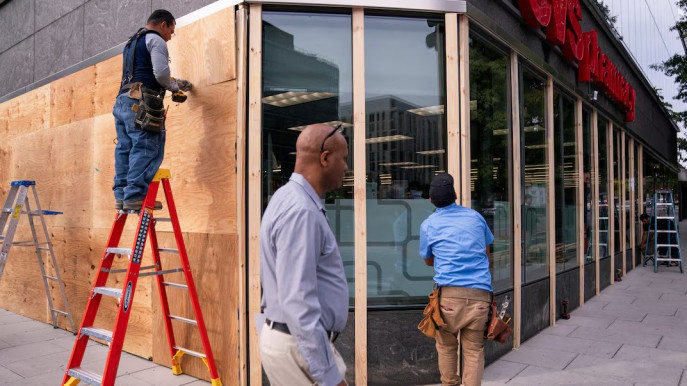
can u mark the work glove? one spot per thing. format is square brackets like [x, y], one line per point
[184, 85]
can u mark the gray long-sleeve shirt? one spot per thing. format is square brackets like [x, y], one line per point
[303, 280]
[159, 56]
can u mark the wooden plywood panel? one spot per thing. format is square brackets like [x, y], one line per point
[204, 52]
[108, 74]
[104, 138]
[214, 263]
[201, 154]
[29, 112]
[72, 97]
[59, 160]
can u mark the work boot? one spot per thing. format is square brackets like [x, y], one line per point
[136, 205]
[119, 205]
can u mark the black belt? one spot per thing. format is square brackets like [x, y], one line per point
[282, 327]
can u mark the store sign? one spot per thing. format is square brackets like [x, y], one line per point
[561, 19]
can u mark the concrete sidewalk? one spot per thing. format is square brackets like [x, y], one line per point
[34, 353]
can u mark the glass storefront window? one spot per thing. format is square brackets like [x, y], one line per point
[307, 78]
[626, 204]
[565, 180]
[603, 189]
[618, 205]
[405, 138]
[490, 174]
[535, 171]
[589, 177]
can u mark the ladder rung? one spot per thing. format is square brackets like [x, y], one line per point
[663, 204]
[182, 319]
[165, 219]
[660, 231]
[43, 249]
[26, 243]
[124, 269]
[108, 291]
[666, 245]
[119, 251]
[177, 285]
[156, 273]
[99, 333]
[60, 312]
[665, 217]
[190, 352]
[50, 277]
[168, 250]
[86, 376]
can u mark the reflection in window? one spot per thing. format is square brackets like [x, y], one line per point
[617, 191]
[307, 79]
[490, 175]
[589, 178]
[565, 180]
[638, 199]
[405, 147]
[535, 254]
[603, 188]
[626, 172]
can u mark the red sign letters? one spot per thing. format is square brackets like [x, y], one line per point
[561, 19]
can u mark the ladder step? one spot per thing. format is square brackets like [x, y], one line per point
[665, 231]
[665, 217]
[43, 249]
[50, 277]
[664, 203]
[86, 376]
[168, 250]
[119, 251]
[157, 273]
[667, 245]
[124, 269]
[182, 319]
[177, 285]
[99, 333]
[60, 312]
[190, 352]
[108, 291]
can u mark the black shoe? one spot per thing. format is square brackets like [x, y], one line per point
[119, 205]
[136, 205]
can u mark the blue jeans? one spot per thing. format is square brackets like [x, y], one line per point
[138, 153]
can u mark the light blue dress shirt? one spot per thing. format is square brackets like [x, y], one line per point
[457, 237]
[303, 280]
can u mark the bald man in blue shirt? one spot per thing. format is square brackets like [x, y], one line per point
[454, 240]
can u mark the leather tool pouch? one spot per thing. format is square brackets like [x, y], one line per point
[150, 111]
[497, 329]
[432, 320]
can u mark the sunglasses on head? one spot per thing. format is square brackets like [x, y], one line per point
[336, 128]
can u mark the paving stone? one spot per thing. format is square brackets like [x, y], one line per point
[39, 335]
[560, 329]
[7, 376]
[159, 375]
[51, 378]
[650, 306]
[129, 380]
[534, 375]
[41, 364]
[621, 311]
[639, 329]
[129, 363]
[673, 344]
[641, 373]
[552, 359]
[502, 371]
[200, 382]
[656, 356]
[683, 380]
[24, 352]
[617, 336]
[587, 321]
[615, 298]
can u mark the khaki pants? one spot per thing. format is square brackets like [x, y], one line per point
[284, 364]
[466, 320]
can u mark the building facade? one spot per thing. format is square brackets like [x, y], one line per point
[550, 128]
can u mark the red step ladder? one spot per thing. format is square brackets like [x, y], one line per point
[146, 226]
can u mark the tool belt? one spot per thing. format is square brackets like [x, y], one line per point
[150, 110]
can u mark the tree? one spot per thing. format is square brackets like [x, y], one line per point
[676, 67]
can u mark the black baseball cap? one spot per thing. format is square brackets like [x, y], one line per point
[441, 190]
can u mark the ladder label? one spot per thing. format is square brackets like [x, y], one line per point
[127, 297]
[17, 210]
[141, 238]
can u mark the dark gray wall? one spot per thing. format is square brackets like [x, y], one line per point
[652, 125]
[604, 273]
[589, 281]
[39, 38]
[535, 308]
[567, 288]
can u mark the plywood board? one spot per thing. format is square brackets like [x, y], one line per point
[201, 154]
[71, 97]
[204, 52]
[213, 261]
[108, 74]
[28, 112]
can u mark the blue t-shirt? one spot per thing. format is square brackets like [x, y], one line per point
[457, 237]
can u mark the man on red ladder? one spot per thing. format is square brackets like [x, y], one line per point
[139, 110]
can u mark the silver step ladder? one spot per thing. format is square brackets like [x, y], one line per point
[664, 225]
[16, 204]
